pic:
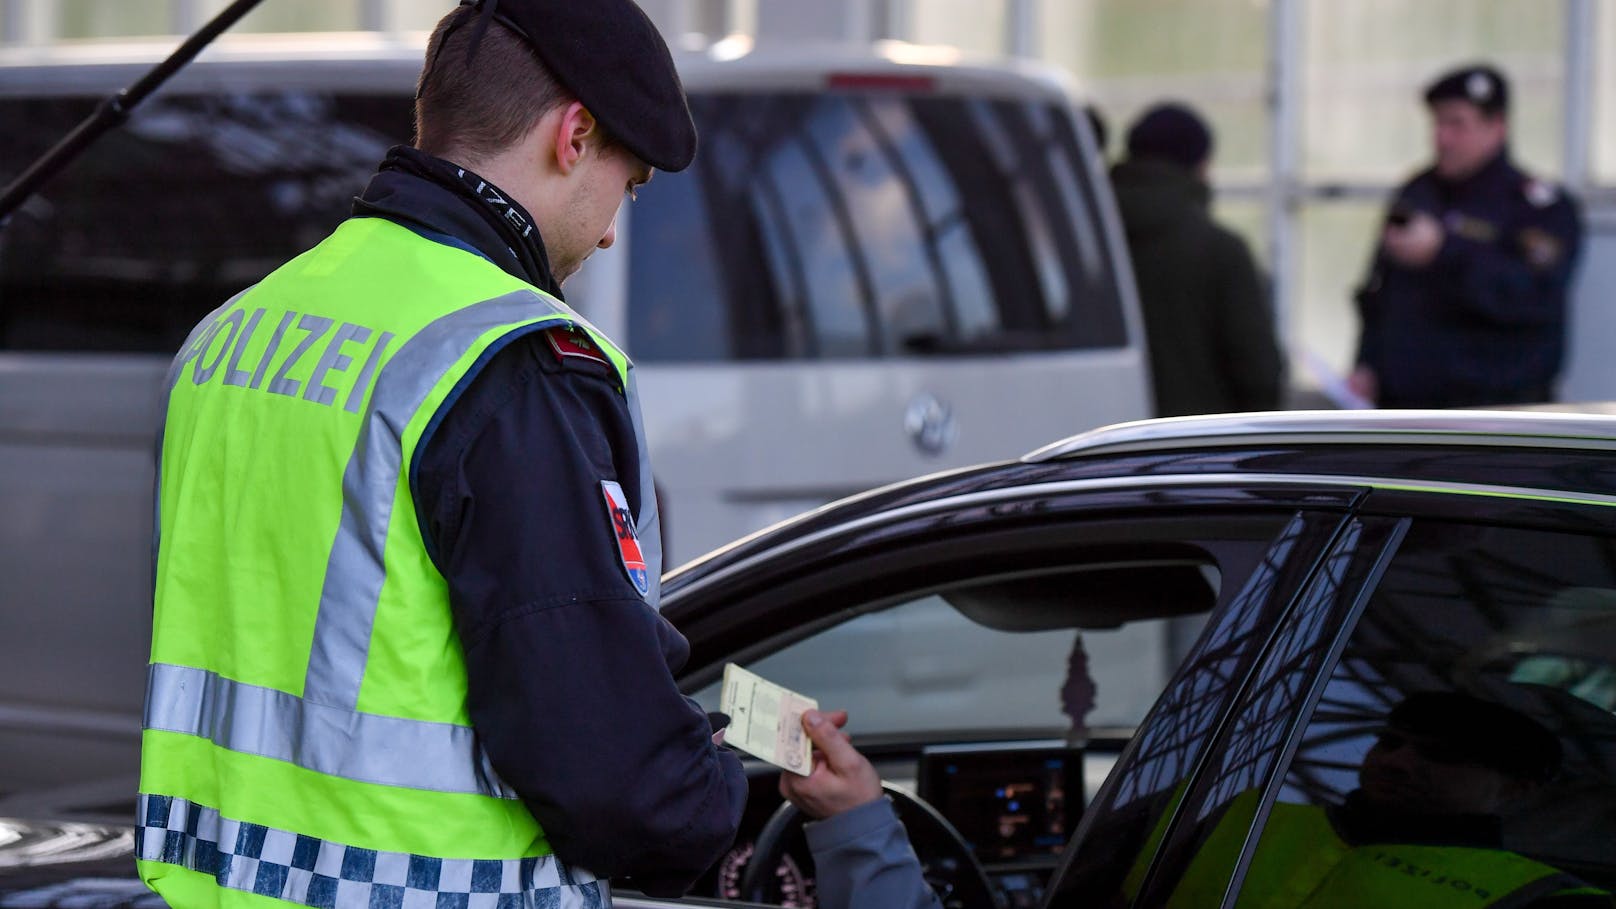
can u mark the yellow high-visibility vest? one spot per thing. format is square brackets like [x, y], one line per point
[306, 737]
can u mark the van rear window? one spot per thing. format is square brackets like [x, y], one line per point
[165, 219]
[871, 225]
[811, 226]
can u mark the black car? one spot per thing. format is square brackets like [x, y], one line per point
[1117, 671]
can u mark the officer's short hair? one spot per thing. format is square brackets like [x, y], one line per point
[475, 108]
[1480, 84]
[606, 54]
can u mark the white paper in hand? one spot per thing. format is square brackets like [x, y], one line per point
[765, 720]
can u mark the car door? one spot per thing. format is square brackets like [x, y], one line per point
[1190, 763]
[960, 621]
[1501, 609]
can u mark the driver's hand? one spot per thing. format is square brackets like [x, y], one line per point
[841, 778]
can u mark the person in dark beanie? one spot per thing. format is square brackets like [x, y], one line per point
[406, 647]
[1208, 325]
[1465, 301]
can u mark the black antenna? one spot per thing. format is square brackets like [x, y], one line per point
[115, 110]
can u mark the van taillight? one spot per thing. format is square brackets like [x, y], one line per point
[880, 82]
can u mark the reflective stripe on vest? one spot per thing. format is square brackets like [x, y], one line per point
[1302, 863]
[320, 873]
[273, 724]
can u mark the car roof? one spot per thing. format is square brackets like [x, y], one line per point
[1512, 428]
[1382, 440]
[380, 61]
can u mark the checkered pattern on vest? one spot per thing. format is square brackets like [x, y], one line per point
[327, 875]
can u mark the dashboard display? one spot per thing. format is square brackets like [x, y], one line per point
[1012, 804]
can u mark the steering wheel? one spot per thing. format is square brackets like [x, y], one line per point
[947, 861]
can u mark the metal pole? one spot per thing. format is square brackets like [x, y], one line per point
[1582, 19]
[27, 21]
[378, 15]
[709, 18]
[860, 22]
[1285, 58]
[794, 22]
[184, 15]
[11, 22]
[740, 17]
[672, 17]
[115, 110]
[1021, 28]
[901, 19]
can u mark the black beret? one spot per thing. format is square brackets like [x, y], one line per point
[610, 56]
[1482, 731]
[1481, 85]
[1170, 132]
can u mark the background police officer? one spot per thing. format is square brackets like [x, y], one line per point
[1465, 301]
[406, 648]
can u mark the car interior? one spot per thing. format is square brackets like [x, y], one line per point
[1521, 618]
[998, 703]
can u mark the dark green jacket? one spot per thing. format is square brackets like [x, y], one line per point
[1211, 334]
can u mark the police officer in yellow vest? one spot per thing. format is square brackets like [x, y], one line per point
[406, 651]
[1422, 830]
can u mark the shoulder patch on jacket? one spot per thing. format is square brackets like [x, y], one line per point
[628, 539]
[566, 341]
[1540, 193]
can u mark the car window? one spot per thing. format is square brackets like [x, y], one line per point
[1125, 827]
[924, 667]
[1184, 859]
[848, 225]
[119, 251]
[1465, 745]
[1004, 652]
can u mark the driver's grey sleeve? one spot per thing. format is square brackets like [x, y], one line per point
[864, 861]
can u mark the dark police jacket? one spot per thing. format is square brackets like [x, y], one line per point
[1485, 322]
[570, 673]
[1211, 335]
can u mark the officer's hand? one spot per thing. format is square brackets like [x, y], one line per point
[841, 779]
[1416, 242]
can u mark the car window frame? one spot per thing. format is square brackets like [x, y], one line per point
[1401, 506]
[750, 593]
[1500, 507]
[1336, 614]
[740, 610]
[1086, 863]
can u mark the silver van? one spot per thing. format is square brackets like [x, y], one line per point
[883, 263]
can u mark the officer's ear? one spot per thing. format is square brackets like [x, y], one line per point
[577, 134]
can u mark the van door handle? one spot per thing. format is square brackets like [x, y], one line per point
[930, 424]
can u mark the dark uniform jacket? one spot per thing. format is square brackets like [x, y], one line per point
[1485, 322]
[1209, 328]
[570, 672]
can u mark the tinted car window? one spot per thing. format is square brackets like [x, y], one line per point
[845, 225]
[163, 220]
[924, 666]
[1518, 623]
[1209, 811]
[1126, 824]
